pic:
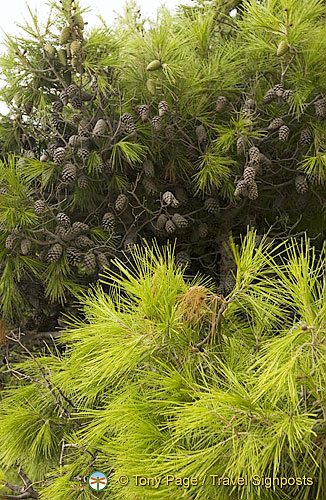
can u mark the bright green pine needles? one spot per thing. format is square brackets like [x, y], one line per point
[138, 391]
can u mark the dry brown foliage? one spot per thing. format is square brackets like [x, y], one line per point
[200, 305]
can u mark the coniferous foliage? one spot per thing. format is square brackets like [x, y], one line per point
[183, 130]
[166, 377]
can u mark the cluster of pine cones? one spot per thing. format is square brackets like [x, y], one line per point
[79, 140]
[265, 145]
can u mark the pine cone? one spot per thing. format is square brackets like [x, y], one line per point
[90, 261]
[269, 96]
[169, 131]
[57, 106]
[108, 221]
[252, 191]
[68, 234]
[275, 124]
[241, 146]
[25, 246]
[282, 48]
[102, 261]
[241, 189]
[78, 21]
[75, 141]
[163, 107]
[39, 207]
[283, 133]
[148, 168]
[221, 103]
[305, 137]
[72, 90]
[55, 252]
[73, 256]
[62, 57]
[320, 108]
[203, 230]
[56, 122]
[61, 232]
[314, 177]
[201, 133]
[86, 96]
[11, 240]
[69, 173]
[263, 160]
[129, 244]
[143, 111]
[64, 97]
[249, 175]
[254, 154]
[65, 35]
[52, 146]
[161, 221]
[128, 123]
[76, 102]
[59, 155]
[121, 202]
[83, 153]
[83, 241]
[83, 128]
[156, 123]
[80, 227]
[170, 199]
[82, 182]
[212, 206]
[100, 128]
[63, 219]
[279, 90]
[301, 184]
[180, 221]
[49, 50]
[182, 259]
[170, 227]
[150, 186]
[287, 94]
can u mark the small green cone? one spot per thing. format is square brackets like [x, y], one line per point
[78, 21]
[62, 56]
[75, 48]
[151, 87]
[154, 65]
[64, 35]
[282, 48]
[50, 50]
[75, 62]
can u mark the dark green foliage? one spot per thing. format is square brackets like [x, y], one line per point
[223, 117]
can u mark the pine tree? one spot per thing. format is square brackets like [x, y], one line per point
[178, 380]
[80, 140]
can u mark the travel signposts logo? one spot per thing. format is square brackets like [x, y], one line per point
[97, 481]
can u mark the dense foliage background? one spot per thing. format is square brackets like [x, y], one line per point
[135, 150]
